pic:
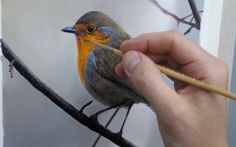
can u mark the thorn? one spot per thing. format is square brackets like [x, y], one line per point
[188, 31]
[11, 65]
[1, 41]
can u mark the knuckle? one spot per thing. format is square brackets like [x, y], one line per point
[176, 36]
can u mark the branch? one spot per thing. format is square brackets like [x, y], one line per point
[189, 29]
[196, 14]
[178, 19]
[190, 15]
[59, 101]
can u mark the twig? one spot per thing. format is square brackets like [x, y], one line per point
[191, 20]
[178, 19]
[189, 29]
[190, 15]
[196, 14]
[59, 101]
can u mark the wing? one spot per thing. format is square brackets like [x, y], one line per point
[105, 61]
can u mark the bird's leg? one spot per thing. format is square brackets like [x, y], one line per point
[95, 116]
[85, 106]
[108, 123]
[126, 116]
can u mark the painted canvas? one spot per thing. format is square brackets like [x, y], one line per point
[33, 30]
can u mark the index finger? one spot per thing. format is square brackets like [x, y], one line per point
[173, 43]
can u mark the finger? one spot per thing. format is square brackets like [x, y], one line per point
[146, 79]
[164, 60]
[173, 43]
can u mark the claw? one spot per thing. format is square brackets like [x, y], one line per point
[85, 106]
[119, 134]
[95, 116]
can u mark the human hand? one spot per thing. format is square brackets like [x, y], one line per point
[187, 116]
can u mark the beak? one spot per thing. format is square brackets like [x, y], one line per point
[69, 30]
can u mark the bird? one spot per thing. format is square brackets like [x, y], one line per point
[96, 64]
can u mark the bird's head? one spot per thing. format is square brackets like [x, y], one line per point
[97, 27]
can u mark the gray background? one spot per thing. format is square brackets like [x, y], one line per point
[32, 28]
[232, 107]
[227, 52]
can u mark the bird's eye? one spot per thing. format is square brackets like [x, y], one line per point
[90, 29]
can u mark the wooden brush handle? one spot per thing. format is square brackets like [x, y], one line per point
[195, 82]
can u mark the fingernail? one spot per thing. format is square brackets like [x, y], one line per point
[131, 60]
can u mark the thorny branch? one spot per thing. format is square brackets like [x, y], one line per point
[195, 14]
[58, 100]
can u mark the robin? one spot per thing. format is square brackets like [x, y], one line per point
[96, 65]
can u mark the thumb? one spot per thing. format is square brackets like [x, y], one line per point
[146, 79]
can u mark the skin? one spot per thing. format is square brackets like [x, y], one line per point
[187, 116]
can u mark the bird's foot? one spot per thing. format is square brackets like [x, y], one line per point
[94, 117]
[85, 106]
[119, 134]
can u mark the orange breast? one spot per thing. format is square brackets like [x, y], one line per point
[84, 48]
